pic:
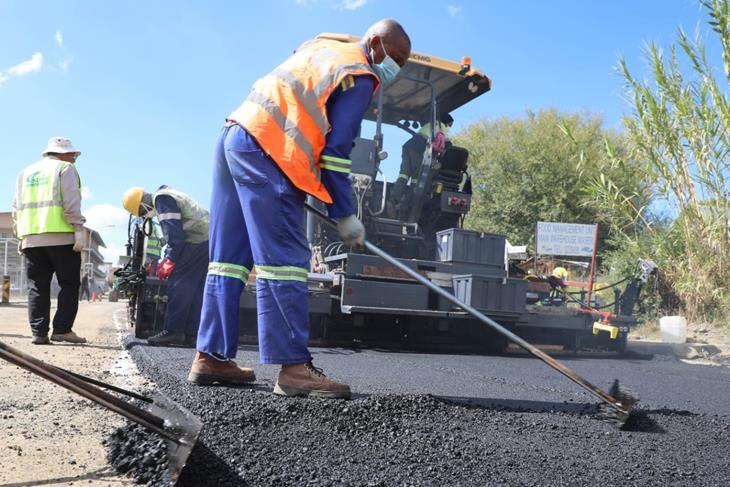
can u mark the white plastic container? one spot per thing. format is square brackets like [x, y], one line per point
[673, 329]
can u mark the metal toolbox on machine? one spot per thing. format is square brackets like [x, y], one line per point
[469, 246]
[491, 294]
[357, 293]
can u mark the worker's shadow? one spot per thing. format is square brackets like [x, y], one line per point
[14, 335]
[106, 474]
[639, 421]
[204, 467]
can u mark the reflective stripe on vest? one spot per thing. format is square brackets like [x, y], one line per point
[152, 246]
[39, 199]
[194, 217]
[287, 110]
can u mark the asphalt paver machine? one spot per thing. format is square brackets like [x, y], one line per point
[359, 299]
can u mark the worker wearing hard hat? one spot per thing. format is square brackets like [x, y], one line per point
[48, 222]
[560, 273]
[184, 225]
[291, 137]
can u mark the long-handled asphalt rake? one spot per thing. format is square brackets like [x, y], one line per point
[620, 403]
[175, 424]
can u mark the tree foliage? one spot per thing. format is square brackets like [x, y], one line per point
[679, 127]
[527, 170]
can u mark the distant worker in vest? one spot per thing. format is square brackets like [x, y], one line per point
[48, 222]
[412, 159]
[184, 226]
[291, 137]
[153, 250]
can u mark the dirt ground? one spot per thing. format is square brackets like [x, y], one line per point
[706, 344]
[49, 436]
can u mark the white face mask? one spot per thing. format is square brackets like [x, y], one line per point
[388, 69]
[149, 211]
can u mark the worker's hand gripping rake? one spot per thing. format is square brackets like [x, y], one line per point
[619, 403]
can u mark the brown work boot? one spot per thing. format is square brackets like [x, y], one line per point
[208, 371]
[69, 337]
[308, 380]
[40, 340]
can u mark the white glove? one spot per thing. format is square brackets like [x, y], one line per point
[351, 230]
[78, 241]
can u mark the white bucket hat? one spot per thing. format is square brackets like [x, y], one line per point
[60, 145]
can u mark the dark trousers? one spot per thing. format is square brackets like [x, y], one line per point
[85, 292]
[185, 289]
[41, 264]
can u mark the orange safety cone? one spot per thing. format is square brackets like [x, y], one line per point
[93, 297]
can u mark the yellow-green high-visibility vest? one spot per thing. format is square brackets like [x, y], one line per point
[194, 217]
[39, 201]
[152, 244]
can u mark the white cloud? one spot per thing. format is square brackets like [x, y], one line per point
[86, 193]
[59, 38]
[112, 252]
[352, 4]
[455, 10]
[111, 223]
[335, 4]
[99, 217]
[32, 65]
[3, 79]
[64, 64]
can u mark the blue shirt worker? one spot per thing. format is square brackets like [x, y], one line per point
[291, 137]
[184, 226]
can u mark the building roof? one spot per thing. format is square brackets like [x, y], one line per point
[96, 236]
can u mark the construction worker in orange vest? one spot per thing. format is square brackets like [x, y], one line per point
[290, 138]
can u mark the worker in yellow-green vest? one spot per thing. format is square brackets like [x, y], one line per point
[153, 250]
[48, 222]
[184, 224]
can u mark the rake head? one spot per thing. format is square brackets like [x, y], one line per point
[620, 411]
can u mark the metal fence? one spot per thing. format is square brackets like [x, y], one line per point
[13, 266]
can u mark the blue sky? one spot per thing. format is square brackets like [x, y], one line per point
[143, 87]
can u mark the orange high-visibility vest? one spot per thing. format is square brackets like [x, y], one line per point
[286, 111]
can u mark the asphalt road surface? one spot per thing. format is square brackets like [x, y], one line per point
[437, 419]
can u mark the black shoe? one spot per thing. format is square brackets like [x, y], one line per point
[167, 337]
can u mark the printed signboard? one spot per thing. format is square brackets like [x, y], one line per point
[565, 239]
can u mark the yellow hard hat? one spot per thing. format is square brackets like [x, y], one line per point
[560, 272]
[132, 199]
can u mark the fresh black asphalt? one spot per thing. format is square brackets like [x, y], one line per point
[437, 419]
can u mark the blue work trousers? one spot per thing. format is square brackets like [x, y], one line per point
[185, 289]
[256, 217]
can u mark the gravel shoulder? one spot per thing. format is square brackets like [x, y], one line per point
[48, 435]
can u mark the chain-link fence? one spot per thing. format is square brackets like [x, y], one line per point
[13, 266]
